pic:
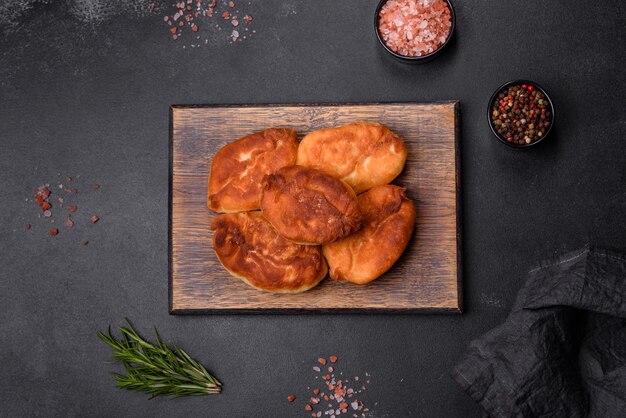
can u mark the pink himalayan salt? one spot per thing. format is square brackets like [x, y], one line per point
[414, 27]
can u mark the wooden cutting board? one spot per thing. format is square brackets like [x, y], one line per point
[427, 278]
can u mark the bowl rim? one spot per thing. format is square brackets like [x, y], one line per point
[515, 82]
[421, 57]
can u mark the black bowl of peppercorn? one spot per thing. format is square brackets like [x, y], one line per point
[520, 114]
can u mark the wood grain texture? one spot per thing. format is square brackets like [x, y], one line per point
[427, 278]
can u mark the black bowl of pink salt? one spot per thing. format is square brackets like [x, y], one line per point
[414, 31]
[520, 114]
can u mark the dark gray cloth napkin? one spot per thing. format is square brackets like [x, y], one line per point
[562, 350]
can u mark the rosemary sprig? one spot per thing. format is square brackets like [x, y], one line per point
[156, 368]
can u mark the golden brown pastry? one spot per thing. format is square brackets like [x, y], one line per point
[308, 206]
[251, 250]
[389, 218]
[364, 155]
[238, 168]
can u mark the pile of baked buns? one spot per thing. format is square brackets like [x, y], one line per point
[325, 205]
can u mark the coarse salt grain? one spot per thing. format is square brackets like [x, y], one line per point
[186, 13]
[414, 27]
[338, 389]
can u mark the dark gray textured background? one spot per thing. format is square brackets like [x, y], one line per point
[85, 89]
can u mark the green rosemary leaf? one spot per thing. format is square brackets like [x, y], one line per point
[156, 368]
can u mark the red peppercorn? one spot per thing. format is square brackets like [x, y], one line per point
[531, 88]
[524, 86]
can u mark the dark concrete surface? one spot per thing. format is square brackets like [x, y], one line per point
[85, 89]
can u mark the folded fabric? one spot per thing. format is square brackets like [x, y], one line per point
[562, 350]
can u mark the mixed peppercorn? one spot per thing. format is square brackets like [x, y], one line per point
[521, 114]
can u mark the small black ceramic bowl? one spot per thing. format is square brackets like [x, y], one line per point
[418, 59]
[505, 87]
